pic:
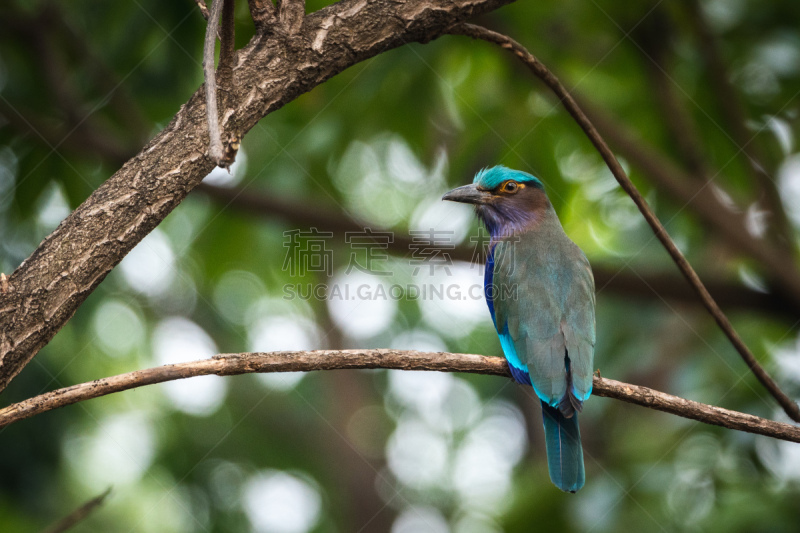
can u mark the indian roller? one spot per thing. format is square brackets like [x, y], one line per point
[540, 291]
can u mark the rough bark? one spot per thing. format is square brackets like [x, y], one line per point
[273, 69]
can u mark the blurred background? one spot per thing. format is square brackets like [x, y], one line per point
[699, 101]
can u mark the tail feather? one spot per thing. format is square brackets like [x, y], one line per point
[564, 451]
[569, 404]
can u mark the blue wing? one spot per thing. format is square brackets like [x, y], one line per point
[519, 370]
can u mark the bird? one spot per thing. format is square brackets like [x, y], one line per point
[540, 291]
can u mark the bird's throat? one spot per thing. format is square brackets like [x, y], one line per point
[504, 221]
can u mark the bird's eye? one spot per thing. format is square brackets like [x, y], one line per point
[510, 187]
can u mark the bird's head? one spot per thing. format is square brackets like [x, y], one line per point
[506, 200]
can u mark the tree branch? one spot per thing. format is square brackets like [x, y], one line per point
[47, 288]
[79, 514]
[262, 13]
[307, 361]
[477, 32]
[201, 4]
[227, 48]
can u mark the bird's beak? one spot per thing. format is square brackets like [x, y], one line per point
[468, 194]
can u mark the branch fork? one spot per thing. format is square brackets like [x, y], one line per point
[290, 15]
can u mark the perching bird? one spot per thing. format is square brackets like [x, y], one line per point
[540, 291]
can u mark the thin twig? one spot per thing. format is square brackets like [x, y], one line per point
[307, 361]
[203, 8]
[79, 514]
[478, 32]
[212, 114]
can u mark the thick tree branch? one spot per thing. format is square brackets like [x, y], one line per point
[478, 32]
[245, 363]
[48, 287]
[227, 55]
[622, 282]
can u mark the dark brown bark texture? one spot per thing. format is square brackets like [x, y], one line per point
[272, 70]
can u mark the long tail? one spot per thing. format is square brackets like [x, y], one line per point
[564, 451]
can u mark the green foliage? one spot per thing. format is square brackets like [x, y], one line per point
[373, 447]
